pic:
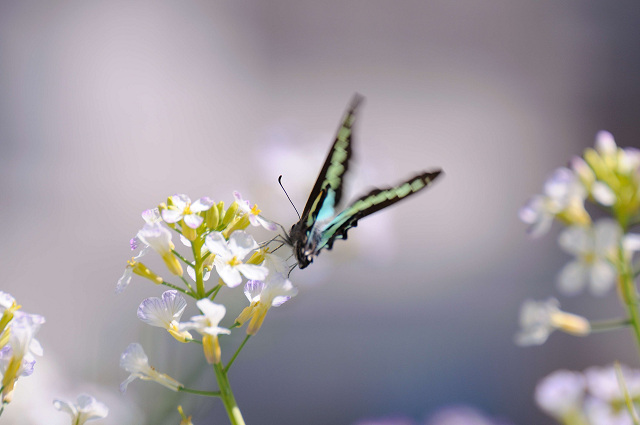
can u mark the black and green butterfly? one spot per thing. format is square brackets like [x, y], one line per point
[319, 226]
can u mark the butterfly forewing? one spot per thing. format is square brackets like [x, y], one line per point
[329, 182]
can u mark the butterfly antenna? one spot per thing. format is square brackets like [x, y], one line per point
[285, 192]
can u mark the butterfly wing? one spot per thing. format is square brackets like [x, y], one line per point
[327, 191]
[373, 201]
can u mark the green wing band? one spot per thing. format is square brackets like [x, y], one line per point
[335, 166]
[373, 201]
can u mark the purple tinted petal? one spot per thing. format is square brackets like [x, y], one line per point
[252, 289]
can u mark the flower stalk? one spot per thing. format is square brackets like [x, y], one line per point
[235, 416]
[628, 293]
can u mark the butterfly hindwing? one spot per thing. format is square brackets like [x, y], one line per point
[372, 202]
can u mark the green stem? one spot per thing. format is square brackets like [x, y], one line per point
[196, 245]
[177, 288]
[214, 291]
[629, 292]
[233, 359]
[188, 285]
[184, 260]
[199, 392]
[227, 396]
[609, 325]
[627, 398]
[193, 340]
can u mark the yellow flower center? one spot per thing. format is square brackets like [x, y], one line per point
[234, 261]
[255, 210]
[589, 258]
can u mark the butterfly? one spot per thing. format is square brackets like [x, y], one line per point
[319, 226]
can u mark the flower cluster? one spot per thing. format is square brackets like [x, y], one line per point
[220, 243]
[599, 395]
[18, 345]
[606, 181]
[607, 177]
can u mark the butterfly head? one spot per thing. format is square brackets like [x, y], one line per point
[304, 247]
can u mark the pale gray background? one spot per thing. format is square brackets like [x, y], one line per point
[108, 107]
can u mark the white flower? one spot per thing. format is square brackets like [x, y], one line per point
[158, 238]
[135, 361]
[207, 325]
[6, 301]
[457, 415]
[165, 313]
[624, 161]
[85, 409]
[560, 393]
[229, 256]
[603, 384]
[262, 296]
[125, 279]
[17, 358]
[275, 264]
[539, 318]
[592, 246]
[149, 216]
[254, 213]
[563, 194]
[183, 209]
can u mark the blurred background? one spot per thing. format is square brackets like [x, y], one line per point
[108, 107]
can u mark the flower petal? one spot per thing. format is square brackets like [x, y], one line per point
[572, 278]
[241, 243]
[252, 271]
[602, 277]
[202, 204]
[193, 220]
[217, 244]
[172, 216]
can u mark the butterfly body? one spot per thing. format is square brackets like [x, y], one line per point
[319, 226]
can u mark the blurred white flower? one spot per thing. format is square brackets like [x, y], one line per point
[560, 394]
[603, 384]
[563, 197]
[85, 409]
[462, 415]
[594, 247]
[165, 312]
[229, 256]
[539, 318]
[599, 412]
[135, 361]
[386, 421]
[599, 190]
